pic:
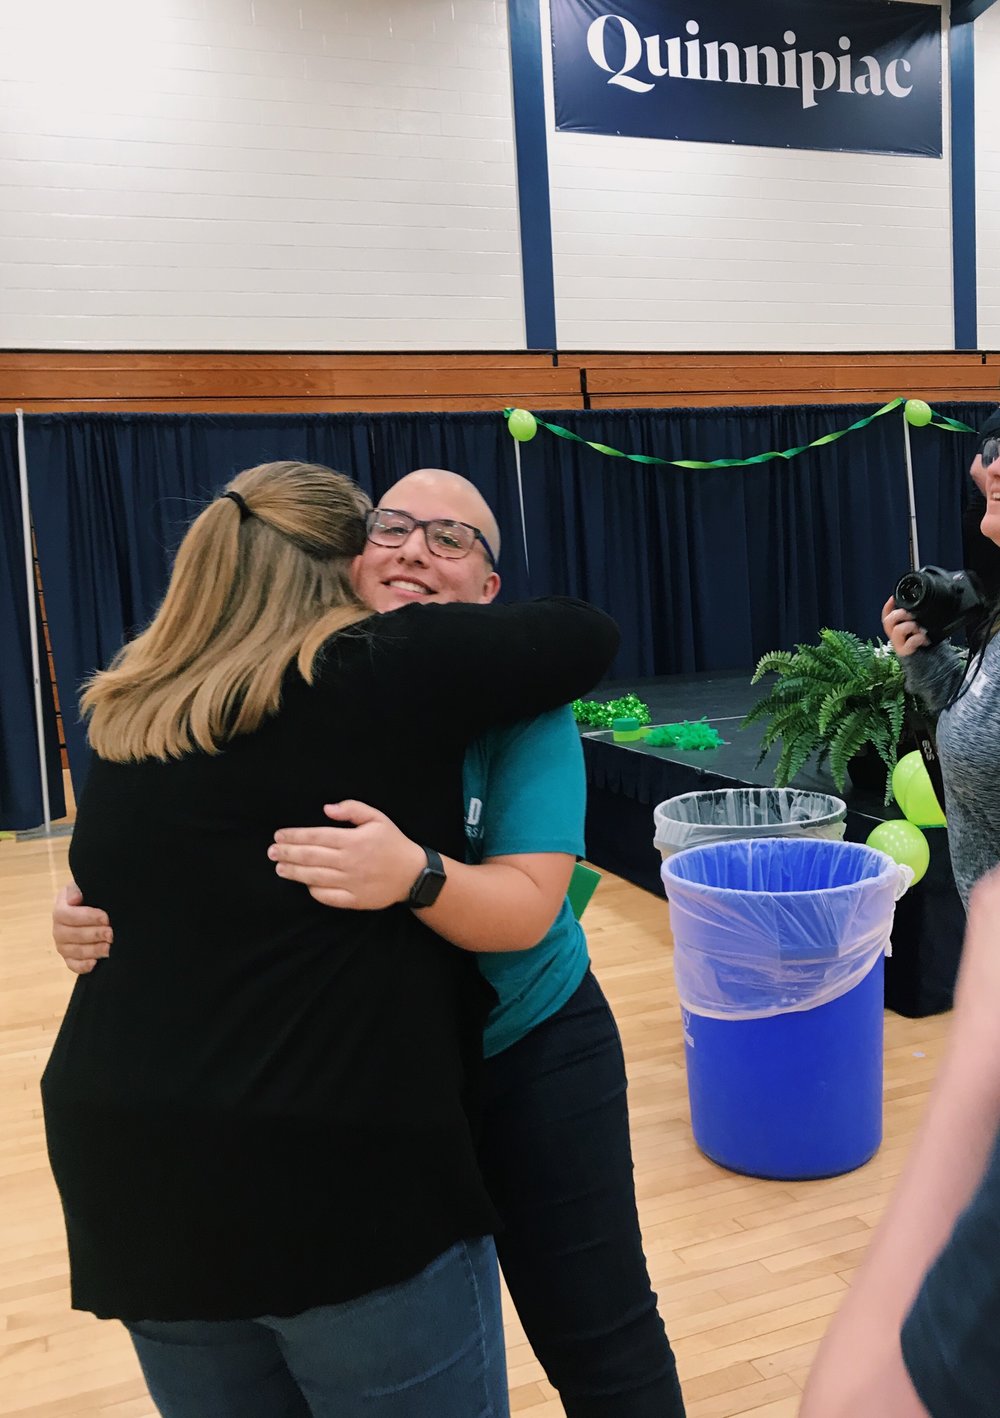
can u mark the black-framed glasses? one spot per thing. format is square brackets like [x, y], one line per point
[990, 451]
[386, 527]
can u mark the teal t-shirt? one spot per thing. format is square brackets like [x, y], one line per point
[525, 792]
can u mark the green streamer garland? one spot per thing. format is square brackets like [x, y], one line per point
[939, 421]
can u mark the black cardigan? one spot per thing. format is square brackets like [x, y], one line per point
[257, 1104]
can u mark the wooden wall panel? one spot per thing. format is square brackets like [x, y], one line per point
[705, 380]
[262, 383]
[704, 360]
[391, 404]
[140, 359]
[761, 400]
[139, 386]
[386, 383]
[833, 379]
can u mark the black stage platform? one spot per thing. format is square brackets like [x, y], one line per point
[626, 781]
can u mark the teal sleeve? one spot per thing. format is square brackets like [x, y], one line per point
[525, 793]
[537, 797]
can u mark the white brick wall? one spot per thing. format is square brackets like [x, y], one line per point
[693, 246]
[339, 174]
[257, 174]
[988, 177]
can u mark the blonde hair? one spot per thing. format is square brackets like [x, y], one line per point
[251, 591]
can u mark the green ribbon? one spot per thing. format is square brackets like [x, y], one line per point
[952, 425]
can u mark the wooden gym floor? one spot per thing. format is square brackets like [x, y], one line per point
[748, 1272]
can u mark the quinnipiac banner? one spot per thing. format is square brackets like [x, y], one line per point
[848, 75]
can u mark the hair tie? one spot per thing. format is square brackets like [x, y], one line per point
[244, 509]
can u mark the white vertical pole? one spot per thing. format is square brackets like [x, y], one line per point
[520, 494]
[29, 574]
[914, 542]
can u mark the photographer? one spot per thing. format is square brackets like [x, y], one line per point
[917, 1335]
[966, 698]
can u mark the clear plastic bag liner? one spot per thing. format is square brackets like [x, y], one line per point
[695, 819]
[775, 925]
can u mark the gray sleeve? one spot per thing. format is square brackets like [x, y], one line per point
[951, 1337]
[933, 673]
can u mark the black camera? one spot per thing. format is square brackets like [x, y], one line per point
[940, 601]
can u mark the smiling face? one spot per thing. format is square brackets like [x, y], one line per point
[390, 577]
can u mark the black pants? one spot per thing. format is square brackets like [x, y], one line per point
[558, 1162]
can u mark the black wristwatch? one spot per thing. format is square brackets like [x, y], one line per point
[427, 887]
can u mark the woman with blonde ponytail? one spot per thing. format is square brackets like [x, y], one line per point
[266, 1152]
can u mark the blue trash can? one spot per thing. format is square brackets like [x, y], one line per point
[778, 957]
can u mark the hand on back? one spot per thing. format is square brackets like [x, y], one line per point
[81, 934]
[364, 867]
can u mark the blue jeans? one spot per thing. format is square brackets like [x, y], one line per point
[431, 1347]
[557, 1160]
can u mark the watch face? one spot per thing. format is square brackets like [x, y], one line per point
[428, 887]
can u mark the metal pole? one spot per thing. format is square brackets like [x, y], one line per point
[914, 542]
[29, 574]
[520, 495]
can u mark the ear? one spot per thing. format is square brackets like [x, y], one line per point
[355, 570]
[491, 588]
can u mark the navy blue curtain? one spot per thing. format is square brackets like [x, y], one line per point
[20, 781]
[706, 570]
[112, 495]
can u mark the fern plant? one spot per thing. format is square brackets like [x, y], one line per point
[831, 699]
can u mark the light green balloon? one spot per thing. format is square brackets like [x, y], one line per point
[522, 425]
[919, 802]
[916, 412]
[905, 844]
[907, 767]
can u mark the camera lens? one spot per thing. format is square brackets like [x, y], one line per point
[909, 591]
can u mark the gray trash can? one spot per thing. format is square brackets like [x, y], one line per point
[700, 819]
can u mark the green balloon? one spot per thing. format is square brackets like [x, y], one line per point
[919, 802]
[521, 425]
[916, 412]
[905, 844]
[905, 770]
